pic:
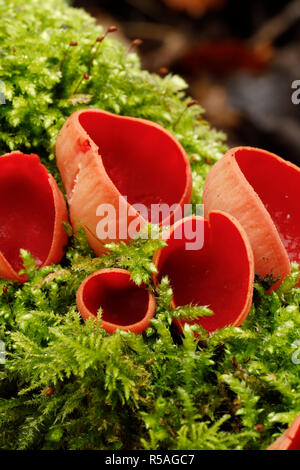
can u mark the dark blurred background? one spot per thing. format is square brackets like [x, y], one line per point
[239, 58]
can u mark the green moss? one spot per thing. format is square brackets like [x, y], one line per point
[67, 385]
[33, 41]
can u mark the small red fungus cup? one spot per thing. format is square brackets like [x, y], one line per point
[125, 306]
[32, 209]
[218, 274]
[262, 191]
[111, 166]
[290, 439]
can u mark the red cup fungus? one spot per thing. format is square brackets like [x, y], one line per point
[125, 306]
[105, 158]
[31, 215]
[262, 191]
[219, 274]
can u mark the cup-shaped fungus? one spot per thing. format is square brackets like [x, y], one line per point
[32, 209]
[118, 172]
[209, 262]
[123, 304]
[262, 191]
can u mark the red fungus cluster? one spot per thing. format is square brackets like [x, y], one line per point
[251, 224]
[249, 227]
[102, 158]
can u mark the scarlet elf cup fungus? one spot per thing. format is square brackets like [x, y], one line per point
[125, 306]
[218, 274]
[31, 215]
[106, 159]
[262, 191]
[290, 439]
